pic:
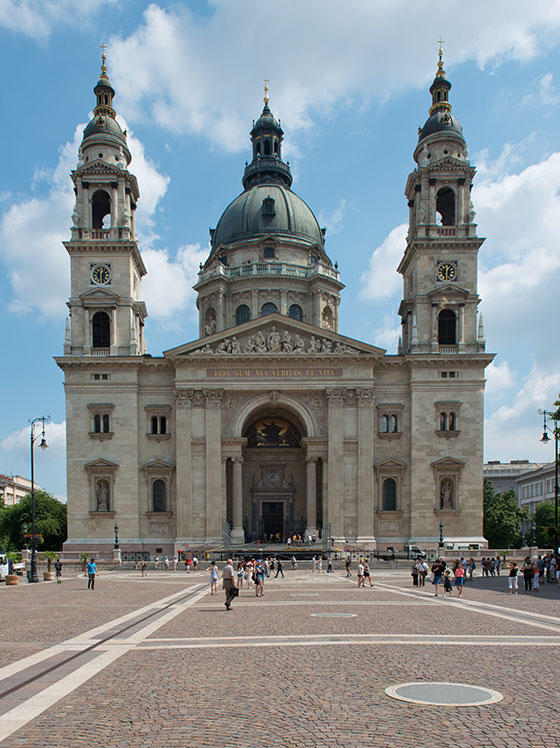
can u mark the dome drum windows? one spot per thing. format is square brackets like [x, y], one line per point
[268, 308]
[158, 426]
[295, 312]
[242, 314]
[389, 418]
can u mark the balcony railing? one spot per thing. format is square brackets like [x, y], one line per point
[446, 231]
[447, 349]
[100, 351]
[269, 268]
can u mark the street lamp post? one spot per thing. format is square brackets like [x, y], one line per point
[43, 445]
[554, 430]
[440, 535]
[116, 529]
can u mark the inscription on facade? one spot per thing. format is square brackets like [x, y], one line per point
[278, 373]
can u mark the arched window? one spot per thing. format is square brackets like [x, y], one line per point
[258, 148]
[267, 147]
[389, 495]
[445, 206]
[101, 207]
[154, 424]
[101, 330]
[242, 314]
[268, 308]
[394, 424]
[447, 327]
[105, 419]
[452, 423]
[163, 425]
[159, 496]
[97, 424]
[443, 421]
[275, 146]
[295, 312]
[384, 424]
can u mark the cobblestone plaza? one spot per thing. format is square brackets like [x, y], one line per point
[159, 662]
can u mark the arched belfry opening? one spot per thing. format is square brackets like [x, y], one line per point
[445, 206]
[273, 483]
[100, 210]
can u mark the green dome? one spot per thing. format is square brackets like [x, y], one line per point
[104, 125]
[267, 209]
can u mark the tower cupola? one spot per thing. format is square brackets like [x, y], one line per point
[267, 165]
[440, 119]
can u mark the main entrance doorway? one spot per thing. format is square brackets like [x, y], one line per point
[273, 518]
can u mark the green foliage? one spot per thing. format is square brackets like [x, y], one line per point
[544, 521]
[50, 522]
[502, 515]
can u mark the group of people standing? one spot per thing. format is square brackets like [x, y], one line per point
[534, 570]
[452, 576]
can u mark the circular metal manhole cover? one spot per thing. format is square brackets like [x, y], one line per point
[333, 615]
[444, 694]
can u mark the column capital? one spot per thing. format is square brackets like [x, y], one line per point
[184, 398]
[365, 396]
[213, 398]
[310, 459]
[335, 397]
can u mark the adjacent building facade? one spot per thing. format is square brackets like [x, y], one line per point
[272, 421]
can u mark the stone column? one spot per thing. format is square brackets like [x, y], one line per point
[366, 536]
[220, 324]
[114, 205]
[183, 461]
[434, 341]
[461, 330]
[432, 203]
[87, 331]
[114, 339]
[86, 213]
[237, 534]
[311, 525]
[213, 399]
[335, 472]
[254, 304]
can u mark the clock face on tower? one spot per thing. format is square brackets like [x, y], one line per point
[101, 274]
[446, 272]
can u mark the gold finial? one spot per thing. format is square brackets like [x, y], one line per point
[266, 99]
[440, 70]
[104, 75]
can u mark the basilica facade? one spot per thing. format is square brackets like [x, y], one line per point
[272, 422]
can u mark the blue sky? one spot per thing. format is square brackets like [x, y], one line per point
[349, 81]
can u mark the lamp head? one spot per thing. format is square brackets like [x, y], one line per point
[43, 445]
[545, 438]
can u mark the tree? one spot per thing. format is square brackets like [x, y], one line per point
[502, 515]
[544, 522]
[50, 522]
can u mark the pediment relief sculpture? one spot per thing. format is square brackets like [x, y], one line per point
[277, 341]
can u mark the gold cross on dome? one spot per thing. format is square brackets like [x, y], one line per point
[266, 99]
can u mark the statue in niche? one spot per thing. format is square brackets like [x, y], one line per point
[299, 345]
[472, 212]
[250, 344]
[75, 216]
[102, 488]
[210, 326]
[261, 343]
[446, 494]
[287, 342]
[274, 341]
[421, 214]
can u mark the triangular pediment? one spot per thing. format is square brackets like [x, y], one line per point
[98, 167]
[448, 290]
[448, 462]
[99, 295]
[390, 464]
[275, 335]
[158, 465]
[101, 464]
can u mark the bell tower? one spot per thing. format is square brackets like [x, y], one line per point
[106, 312]
[439, 267]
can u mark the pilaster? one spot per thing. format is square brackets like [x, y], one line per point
[213, 400]
[335, 470]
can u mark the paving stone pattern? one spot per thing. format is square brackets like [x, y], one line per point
[315, 696]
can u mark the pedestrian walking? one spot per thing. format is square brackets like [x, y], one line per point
[512, 578]
[367, 574]
[536, 576]
[437, 571]
[143, 566]
[259, 578]
[175, 562]
[279, 569]
[58, 571]
[528, 574]
[249, 574]
[195, 563]
[314, 564]
[447, 584]
[360, 573]
[91, 572]
[228, 583]
[213, 569]
[423, 570]
[240, 575]
[319, 564]
[347, 566]
[459, 578]
[294, 563]
[166, 563]
[414, 574]
[329, 565]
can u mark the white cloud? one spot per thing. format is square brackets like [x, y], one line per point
[202, 74]
[38, 18]
[381, 280]
[17, 443]
[386, 335]
[333, 221]
[499, 379]
[167, 289]
[514, 431]
[32, 230]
